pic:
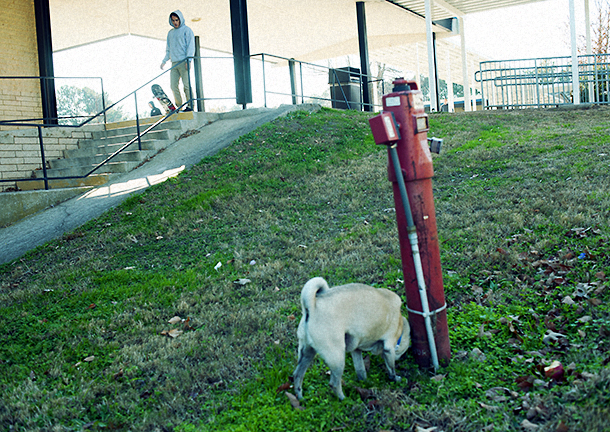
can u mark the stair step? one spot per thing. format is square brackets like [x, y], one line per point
[109, 149]
[81, 161]
[92, 180]
[149, 120]
[124, 137]
[109, 168]
[132, 130]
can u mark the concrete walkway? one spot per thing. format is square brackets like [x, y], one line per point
[52, 223]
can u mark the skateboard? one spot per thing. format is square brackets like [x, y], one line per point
[162, 98]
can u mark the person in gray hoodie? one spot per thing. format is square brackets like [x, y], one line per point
[180, 45]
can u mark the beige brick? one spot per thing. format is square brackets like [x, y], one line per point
[11, 147]
[7, 154]
[30, 154]
[31, 161]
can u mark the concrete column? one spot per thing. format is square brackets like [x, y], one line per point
[464, 65]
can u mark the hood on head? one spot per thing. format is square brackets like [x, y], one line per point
[177, 12]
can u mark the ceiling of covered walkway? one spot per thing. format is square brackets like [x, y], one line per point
[308, 30]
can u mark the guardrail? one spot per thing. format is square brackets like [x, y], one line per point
[543, 82]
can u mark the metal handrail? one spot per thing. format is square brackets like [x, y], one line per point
[540, 82]
[313, 65]
[45, 123]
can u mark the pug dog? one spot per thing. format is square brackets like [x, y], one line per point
[349, 318]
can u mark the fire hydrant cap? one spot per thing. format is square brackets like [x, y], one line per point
[401, 84]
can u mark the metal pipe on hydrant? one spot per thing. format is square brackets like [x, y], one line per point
[403, 127]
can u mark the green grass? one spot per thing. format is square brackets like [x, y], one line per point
[522, 209]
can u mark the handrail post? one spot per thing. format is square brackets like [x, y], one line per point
[104, 103]
[293, 81]
[264, 80]
[302, 90]
[198, 77]
[135, 96]
[44, 162]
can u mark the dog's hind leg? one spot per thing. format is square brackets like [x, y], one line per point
[306, 355]
[336, 364]
[359, 364]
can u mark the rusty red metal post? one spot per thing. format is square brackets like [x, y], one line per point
[412, 151]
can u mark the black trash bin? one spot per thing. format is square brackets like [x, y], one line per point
[345, 88]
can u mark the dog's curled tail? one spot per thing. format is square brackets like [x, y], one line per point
[312, 288]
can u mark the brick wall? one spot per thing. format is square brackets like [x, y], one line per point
[19, 99]
[20, 150]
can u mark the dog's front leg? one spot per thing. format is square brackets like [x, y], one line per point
[389, 357]
[306, 355]
[359, 364]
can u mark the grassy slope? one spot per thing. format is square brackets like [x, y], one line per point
[522, 208]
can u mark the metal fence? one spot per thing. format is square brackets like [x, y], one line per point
[543, 82]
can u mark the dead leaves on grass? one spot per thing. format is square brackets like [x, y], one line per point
[175, 332]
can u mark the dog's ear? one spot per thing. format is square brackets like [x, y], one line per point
[405, 339]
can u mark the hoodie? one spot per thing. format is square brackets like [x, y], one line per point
[180, 41]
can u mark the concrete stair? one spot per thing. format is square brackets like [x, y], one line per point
[104, 143]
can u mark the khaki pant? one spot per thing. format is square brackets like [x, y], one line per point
[180, 72]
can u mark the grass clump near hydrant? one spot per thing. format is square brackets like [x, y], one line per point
[178, 310]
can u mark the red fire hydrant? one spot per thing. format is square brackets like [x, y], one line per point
[403, 127]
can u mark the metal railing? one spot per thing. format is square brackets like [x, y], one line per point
[41, 123]
[303, 87]
[345, 85]
[543, 82]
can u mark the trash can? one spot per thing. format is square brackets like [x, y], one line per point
[345, 88]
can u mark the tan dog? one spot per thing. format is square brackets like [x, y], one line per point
[349, 318]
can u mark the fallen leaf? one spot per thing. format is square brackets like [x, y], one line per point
[364, 393]
[525, 383]
[528, 425]
[284, 387]
[175, 320]
[568, 300]
[438, 377]
[482, 333]
[562, 427]
[242, 281]
[294, 401]
[551, 336]
[217, 266]
[585, 319]
[555, 371]
[187, 324]
[421, 429]
[174, 333]
[89, 359]
[488, 407]
[92, 306]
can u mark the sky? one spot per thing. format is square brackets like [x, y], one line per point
[536, 30]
